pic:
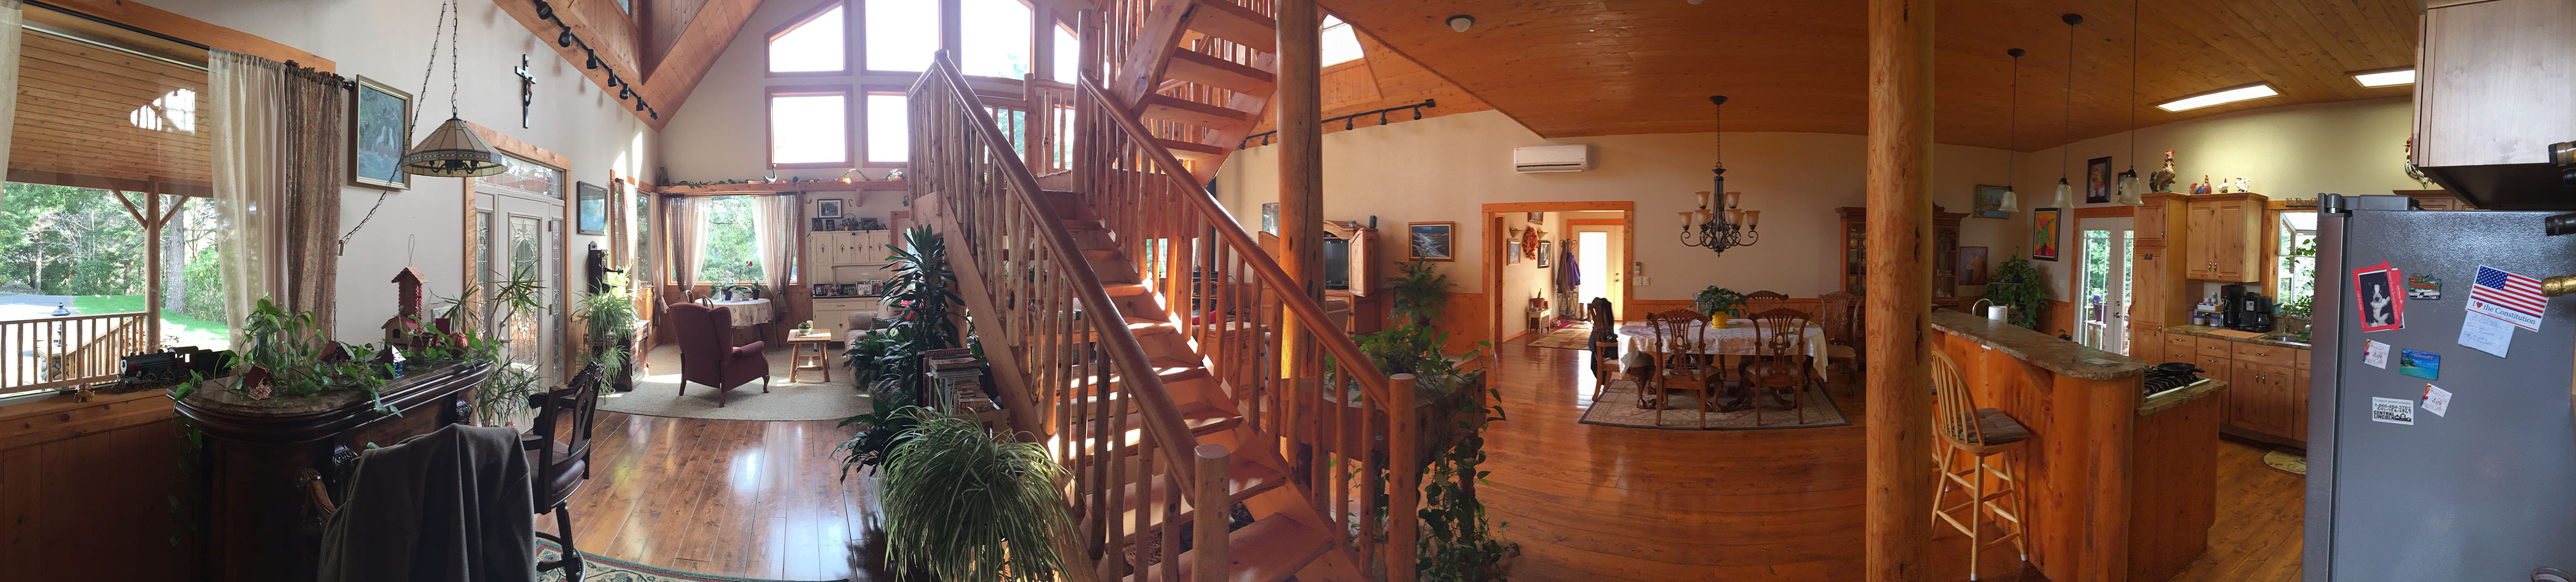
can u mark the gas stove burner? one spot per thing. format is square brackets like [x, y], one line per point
[2160, 380]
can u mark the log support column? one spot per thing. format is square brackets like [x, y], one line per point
[1899, 425]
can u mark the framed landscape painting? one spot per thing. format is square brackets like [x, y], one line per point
[1432, 241]
[380, 119]
[1990, 202]
[593, 203]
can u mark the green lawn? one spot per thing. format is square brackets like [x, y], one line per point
[188, 329]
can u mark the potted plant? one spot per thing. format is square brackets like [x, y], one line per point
[611, 318]
[1419, 291]
[2018, 285]
[967, 504]
[1716, 300]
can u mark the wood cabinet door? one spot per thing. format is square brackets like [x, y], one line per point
[2235, 247]
[2200, 253]
[2150, 223]
[2259, 399]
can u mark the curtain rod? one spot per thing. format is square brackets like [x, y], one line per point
[88, 17]
[75, 37]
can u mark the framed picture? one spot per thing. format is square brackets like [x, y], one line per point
[1543, 251]
[380, 129]
[1972, 265]
[1990, 202]
[592, 201]
[1270, 217]
[2097, 180]
[2043, 234]
[819, 224]
[1432, 241]
[827, 208]
[1513, 249]
[1538, 218]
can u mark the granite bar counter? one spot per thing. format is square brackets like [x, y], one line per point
[2122, 486]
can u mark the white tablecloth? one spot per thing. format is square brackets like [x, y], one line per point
[1737, 339]
[750, 313]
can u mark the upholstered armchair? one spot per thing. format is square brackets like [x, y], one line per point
[706, 356]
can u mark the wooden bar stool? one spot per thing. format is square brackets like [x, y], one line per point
[1977, 433]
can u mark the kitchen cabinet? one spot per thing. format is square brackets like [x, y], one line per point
[2260, 397]
[2225, 237]
[2267, 392]
[834, 314]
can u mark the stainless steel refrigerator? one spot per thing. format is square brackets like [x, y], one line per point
[2484, 491]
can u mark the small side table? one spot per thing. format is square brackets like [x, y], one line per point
[819, 340]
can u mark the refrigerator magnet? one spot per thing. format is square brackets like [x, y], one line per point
[2375, 354]
[2426, 365]
[2392, 410]
[2436, 400]
[2486, 334]
[2422, 286]
[2383, 306]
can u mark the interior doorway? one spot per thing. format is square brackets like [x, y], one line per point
[2104, 247]
[1601, 259]
[1534, 263]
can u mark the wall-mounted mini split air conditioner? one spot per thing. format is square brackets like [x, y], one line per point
[1552, 158]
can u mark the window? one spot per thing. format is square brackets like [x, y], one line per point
[811, 44]
[534, 178]
[889, 129]
[901, 34]
[808, 128]
[732, 254]
[995, 38]
[1068, 55]
[1341, 44]
[2295, 280]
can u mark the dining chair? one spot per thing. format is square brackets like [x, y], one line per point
[1843, 336]
[1766, 300]
[1683, 341]
[1605, 346]
[1779, 360]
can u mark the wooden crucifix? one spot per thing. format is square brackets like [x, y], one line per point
[527, 89]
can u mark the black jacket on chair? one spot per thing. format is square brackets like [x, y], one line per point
[448, 506]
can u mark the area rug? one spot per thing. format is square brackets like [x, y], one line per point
[657, 393]
[603, 569]
[2286, 462]
[1618, 407]
[1572, 337]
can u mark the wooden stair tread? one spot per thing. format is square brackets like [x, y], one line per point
[1227, 20]
[1207, 69]
[1244, 478]
[1271, 549]
[1191, 151]
[1204, 115]
[1069, 205]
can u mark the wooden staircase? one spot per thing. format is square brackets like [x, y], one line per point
[1137, 330]
[1201, 73]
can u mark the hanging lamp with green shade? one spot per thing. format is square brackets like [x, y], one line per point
[453, 149]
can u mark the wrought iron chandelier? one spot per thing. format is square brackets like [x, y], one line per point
[1721, 227]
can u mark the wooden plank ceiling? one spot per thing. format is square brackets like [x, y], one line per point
[1609, 67]
[91, 112]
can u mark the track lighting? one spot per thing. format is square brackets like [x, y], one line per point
[545, 11]
[564, 39]
[612, 79]
[593, 63]
[628, 92]
[639, 105]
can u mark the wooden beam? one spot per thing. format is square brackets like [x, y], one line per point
[677, 74]
[777, 187]
[1300, 107]
[135, 14]
[1898, 522]
[525, 12]
[513, 146]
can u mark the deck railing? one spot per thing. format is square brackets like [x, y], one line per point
[64, 351]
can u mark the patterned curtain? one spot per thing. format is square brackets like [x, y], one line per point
[316, 136]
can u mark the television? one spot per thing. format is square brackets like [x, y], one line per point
[1337, 263]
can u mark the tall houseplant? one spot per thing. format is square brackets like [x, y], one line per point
[1419, 291]
[2018, 285]
[967, 504]
[611, 319]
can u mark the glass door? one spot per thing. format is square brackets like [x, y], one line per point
[2105, 247]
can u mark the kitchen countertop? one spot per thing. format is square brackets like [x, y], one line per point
[2274, 339]
[2166, 400]
[2066, 358]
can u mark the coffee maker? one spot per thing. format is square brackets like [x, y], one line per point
[2242, 310]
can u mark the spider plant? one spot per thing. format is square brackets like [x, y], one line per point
[967, 504]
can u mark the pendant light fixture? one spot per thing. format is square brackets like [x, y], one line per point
[2128, 192]
[451, 150]
[2012, 136]
[2066, 194]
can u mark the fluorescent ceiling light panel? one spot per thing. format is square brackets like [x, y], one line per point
[2385, 78]
[2255, 91]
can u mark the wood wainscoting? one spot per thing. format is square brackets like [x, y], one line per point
[85, 490]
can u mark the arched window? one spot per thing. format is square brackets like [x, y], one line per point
[901, 34]
[1340, 44]
[811, 44]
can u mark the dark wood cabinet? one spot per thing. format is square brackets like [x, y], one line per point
[1945, 253]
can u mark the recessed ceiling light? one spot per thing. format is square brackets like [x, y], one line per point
[2383, 78]
[2254, 91]
[1461, 22]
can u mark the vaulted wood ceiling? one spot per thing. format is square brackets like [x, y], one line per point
[1606, 67]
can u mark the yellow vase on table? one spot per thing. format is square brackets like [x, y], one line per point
[1718, 320]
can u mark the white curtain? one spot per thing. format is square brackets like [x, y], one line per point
[249, 175]
[688, 239]
[9, 20]
[773, 231]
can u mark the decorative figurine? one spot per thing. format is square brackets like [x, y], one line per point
[2162, 180]
[2201, 187]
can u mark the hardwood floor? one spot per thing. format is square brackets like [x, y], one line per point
[1588, 502]
[1585, 502]
[727, 498]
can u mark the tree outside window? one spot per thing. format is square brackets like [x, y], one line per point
[2294, 285]
[732, 253]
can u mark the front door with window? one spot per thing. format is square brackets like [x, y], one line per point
[2104, 247]
[519, 219]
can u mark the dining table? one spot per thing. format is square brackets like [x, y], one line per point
[1637, 340]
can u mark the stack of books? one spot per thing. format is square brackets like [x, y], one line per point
[957, 380]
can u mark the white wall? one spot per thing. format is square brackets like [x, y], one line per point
[388, 40]
[1444, 168]
[2290, 152]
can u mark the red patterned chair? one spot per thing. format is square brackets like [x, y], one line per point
[704, 356]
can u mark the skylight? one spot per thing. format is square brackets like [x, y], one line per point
[1341, 44]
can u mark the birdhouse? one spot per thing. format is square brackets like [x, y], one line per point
[405, 326]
